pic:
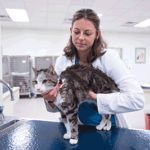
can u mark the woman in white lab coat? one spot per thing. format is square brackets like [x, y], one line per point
[87, 47]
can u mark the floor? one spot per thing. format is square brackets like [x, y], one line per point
[34, 108]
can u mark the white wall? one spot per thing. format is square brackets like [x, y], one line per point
[1, 96]
[130, 41]
[49, 42]
[33, 42]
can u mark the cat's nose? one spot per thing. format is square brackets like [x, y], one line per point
[38, 89]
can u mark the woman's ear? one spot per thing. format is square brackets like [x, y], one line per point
[71, 31]
[99, 32]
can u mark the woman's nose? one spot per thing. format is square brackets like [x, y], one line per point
[81, 36]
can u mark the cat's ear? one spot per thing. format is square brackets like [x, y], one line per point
[51, 69]
[35, 71]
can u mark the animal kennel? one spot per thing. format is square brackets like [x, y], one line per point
[20, 68]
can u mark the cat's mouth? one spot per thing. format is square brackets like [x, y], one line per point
[39, 91]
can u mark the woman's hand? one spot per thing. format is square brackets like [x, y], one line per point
[50, 95]
[92, 95]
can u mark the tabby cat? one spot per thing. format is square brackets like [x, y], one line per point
[76, 82]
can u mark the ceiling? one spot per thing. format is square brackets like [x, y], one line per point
[50, 14]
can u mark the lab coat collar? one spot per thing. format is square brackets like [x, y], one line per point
[97, 63]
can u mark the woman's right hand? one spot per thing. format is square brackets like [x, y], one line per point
[50, 95]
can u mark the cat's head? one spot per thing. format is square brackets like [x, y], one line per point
[45, 79]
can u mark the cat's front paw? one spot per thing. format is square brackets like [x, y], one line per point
[99, 127]
[73, 141]
[67, 136]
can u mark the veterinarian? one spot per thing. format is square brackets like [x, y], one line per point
[87, 47]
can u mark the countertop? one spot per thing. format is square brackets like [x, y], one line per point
[8, 118]
[46, 135]
[146, 88]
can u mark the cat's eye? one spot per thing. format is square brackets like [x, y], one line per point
[35, 81]
[44, 81]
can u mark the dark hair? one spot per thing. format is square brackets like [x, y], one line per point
[99, 44]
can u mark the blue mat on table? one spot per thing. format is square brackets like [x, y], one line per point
[43, 135]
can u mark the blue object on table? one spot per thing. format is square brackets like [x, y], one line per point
[43, 135]
[88, 114]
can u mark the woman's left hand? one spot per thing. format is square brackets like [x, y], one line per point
[92, 95]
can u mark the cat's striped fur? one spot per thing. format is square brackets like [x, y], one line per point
[77, 80]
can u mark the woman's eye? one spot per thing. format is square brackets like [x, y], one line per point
[87, 34]
[44, 81]
[76, 32]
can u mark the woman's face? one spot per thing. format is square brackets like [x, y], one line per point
[83, 35]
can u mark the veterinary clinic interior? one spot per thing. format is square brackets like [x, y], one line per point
[34, 33]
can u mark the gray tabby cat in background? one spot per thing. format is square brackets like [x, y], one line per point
[76, 82]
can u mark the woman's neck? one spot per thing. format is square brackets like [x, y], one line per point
[83, 59]
[82, 56]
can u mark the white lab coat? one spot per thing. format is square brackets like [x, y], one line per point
[131, 96]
